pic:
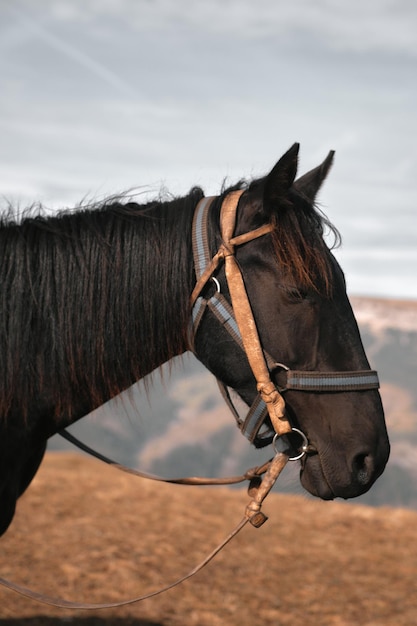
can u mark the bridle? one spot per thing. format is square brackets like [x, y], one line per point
[237, 318]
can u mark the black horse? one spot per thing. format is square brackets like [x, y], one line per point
[95, 299]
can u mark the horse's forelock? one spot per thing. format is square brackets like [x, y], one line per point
[299, 243]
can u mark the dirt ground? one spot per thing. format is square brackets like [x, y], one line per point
[86, 532]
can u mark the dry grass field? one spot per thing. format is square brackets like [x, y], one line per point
[86, 532]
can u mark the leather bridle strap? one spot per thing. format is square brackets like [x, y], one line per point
[250, 474]
[205, 265]
[243, 313]
[269, 400]
[253, 425]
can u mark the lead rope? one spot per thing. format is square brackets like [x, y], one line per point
[250, 474]
[259, 488]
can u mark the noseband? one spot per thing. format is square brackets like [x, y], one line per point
[237, 318]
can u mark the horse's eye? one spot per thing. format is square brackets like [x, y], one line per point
[297, 294]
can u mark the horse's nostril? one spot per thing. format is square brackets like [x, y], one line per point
[363, 467]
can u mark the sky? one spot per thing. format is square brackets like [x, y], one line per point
[100, 96]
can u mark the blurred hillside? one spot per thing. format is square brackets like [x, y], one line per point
[178, 424]
[86, 532]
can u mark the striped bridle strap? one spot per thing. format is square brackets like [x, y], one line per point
[332, 381]
[237, 318]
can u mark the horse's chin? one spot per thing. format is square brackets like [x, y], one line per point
[313, 479]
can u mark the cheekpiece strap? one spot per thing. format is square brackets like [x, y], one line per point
[253, 425]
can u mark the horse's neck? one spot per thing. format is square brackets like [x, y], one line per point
[164, 288]
[98, 301]
[146, 291]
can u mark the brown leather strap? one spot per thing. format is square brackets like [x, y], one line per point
[239, 240]
[254, 472]
[207, 274]
[246, 322]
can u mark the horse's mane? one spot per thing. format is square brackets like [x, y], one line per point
[68, 331]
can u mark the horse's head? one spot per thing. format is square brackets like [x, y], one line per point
[298, 297]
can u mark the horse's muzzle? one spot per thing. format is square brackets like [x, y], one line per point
[338, 478]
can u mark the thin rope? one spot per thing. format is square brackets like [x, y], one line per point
[61, 603]
[259, 489]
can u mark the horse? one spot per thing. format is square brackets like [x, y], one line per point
[95, 299]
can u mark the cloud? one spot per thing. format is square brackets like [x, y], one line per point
[103, 95]
[356, 26]
[35, 27]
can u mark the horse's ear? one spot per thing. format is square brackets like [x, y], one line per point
[281, 177]
[310, 183]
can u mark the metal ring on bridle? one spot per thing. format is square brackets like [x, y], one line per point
[303, 448]
[216, 282]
